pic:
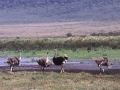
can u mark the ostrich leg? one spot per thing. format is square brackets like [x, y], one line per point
[62, 69]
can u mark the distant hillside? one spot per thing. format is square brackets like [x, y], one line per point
[35, 11]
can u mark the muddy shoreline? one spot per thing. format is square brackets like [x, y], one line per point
[69, 67]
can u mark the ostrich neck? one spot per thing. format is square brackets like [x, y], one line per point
[55, 55]
[47, 59]
[20, 56]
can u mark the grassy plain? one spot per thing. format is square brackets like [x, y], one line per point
[56, 81]
[78, 54]
[34, 80]
[56, 29]
[75, 47]
[15, 36]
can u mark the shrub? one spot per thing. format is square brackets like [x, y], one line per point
[69, 34]
[17, 37]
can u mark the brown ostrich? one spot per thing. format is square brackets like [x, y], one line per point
[13, 61]
[60, 60]
[102, 61]
[44, 62]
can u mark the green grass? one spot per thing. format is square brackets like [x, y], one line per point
[77, 54]
[55, 81]
[61, 43]
[75, 47]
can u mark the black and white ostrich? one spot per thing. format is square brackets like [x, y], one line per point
[44, 62]
[60, 60]
[13, 61]
[102, 61]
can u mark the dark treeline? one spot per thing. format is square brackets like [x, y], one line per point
[39, 3]
[66, 43]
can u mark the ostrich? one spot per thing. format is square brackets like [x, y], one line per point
[13, 61]
[60, 60]
[102, 61]
[44, 62]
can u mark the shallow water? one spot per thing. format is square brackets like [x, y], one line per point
[24, 61]
[30, 64]
[27, 61]
[32, 61]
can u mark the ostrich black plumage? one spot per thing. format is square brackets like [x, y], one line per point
[60, 60]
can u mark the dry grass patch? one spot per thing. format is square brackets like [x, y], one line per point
[56, 81]
[57, 29]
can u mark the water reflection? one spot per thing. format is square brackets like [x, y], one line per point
[32, 61]
[24, 61]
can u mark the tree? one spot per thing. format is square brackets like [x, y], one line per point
[69, 34]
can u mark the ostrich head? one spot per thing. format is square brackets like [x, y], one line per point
[65, 57]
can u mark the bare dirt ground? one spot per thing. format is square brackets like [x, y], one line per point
[56, 29]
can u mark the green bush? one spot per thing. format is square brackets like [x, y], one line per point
[69, 34]
[61, 43]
